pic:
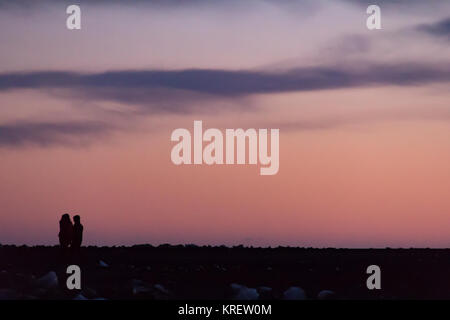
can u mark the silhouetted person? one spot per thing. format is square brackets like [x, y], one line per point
[77, 233]
[65, 231]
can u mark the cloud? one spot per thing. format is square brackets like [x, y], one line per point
[146, 87]
[178, 3]
[396, 3]
[49, 133]
[173, 91]
[440, 28]
[358, 119]
[156, 4]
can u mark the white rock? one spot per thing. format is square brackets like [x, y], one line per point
[264, 289]
[161, 288]
[140, 290]
[294, 293]
[243, 293]
[48, 281]
[103, 264]
[325, 295]
[265, 292]
[139, 287]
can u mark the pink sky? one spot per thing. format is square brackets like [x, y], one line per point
[364, 165]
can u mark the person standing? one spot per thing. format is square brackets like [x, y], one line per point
[77, 233]
[65, 231]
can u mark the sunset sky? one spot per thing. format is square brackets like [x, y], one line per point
[364, 116]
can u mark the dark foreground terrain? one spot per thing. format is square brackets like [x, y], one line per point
[179, 272]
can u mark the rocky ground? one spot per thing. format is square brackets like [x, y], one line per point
[190, 272]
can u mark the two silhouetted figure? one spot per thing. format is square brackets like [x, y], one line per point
[70, 235]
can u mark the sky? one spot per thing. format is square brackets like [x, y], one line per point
[86, 118]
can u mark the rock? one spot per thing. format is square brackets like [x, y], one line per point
[89, 293]
[241, 292]
[294, 293]
[161, 288]
[326, 295]
[8, 294]
[80, 297]
[265, 293]
[139, 288]
[159, 292]
[48, 281]
[103, 264]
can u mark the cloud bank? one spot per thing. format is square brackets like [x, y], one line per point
[228, 83]
[440, 28]
[48, 133]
